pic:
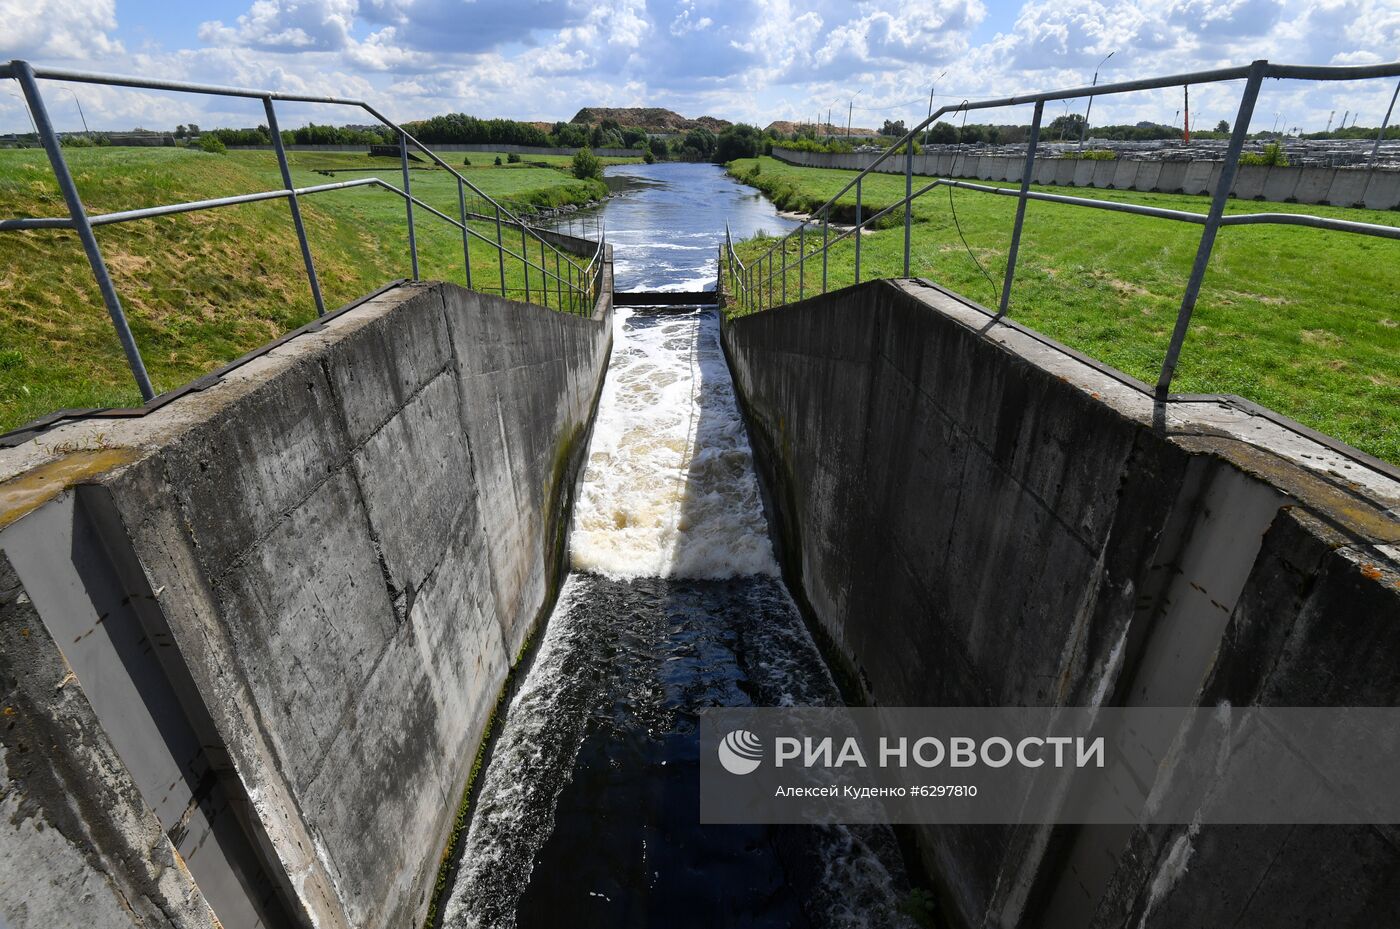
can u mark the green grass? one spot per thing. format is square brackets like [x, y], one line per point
[1304, 321]
[202, 288]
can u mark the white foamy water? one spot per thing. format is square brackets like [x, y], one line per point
[669, 489]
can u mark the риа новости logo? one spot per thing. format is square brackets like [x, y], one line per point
[741, 752]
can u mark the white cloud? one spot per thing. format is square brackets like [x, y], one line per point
[756, 59]
[58, 29]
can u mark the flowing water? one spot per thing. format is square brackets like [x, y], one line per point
[587, 812]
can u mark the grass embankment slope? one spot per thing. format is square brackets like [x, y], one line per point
[1304, 321]
[202, 288]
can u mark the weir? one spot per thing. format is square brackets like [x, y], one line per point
[412, 617]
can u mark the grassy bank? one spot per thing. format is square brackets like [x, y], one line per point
[203, 288]
[1300, 320]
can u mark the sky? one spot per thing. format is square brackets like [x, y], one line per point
[749, 60]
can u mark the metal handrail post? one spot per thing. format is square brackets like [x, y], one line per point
[801, 261]
[500, 251]
[37, 111]
[1027, 171]
[281, 151]
[544, 277]
[859, 222]
[408, 201]
[558, 283]
[1376, 149]
[1212, 224]
[525, 260]
[908, 199]
[466, 236]
[826, 229]
[785, 242]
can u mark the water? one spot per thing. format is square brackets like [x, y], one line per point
[588, 809]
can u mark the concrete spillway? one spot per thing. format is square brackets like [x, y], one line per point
[252, 641]
[587, 805]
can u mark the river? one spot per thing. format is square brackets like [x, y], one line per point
[587, 810]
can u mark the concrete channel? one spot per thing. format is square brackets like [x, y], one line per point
[254, 641]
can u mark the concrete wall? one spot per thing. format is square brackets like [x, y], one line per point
[1377, 189]
[975, 516]
[337, 553]
[455, 147]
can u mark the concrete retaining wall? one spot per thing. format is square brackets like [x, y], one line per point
[454, 147]
[337, 553]
[975, 516]
[1360, 187]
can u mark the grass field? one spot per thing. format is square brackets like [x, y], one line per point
[203, 288]
[1304, 321]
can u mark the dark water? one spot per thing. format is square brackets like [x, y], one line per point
[588, 809]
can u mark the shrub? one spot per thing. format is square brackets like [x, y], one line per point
[586, 165]
[498, 161]
[1272, 155]
[648, 157]
[467, 161]
[212, 145]
[77, 141]
[513, 158]
[1099, 154]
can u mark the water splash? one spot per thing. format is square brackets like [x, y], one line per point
[669, 489]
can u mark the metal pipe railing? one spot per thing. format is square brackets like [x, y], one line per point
[583, 292]
[756, 283]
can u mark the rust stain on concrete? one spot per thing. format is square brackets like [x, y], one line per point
[34, 488]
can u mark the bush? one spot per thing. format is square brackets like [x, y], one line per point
[467, 161]
[1099, 154]
[212, 145]
[738, 141]
[1272, 155]
[648, 157]
[513, 158]
[77, 141]
[498, 161]
[586, 165]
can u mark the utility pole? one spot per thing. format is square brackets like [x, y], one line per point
[930, 102]
[1186, 113]
[1329, 121]
[32, 126]
[1344, 121]
[850, 109]
[1084, 129]
[827, 131]
[80, 110]
[1376, 149]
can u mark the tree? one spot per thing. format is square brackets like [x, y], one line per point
[893, 127]
[1222, 126]
[586, 165]
[943, 133]
[737, 141]
[193, 129]
[181, 132]
[1064, 127]
[702, 141]
[513, 158]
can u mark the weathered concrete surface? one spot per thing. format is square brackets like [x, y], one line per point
[346, 543]
[79, 846]
[1376, 189]
[974, 515]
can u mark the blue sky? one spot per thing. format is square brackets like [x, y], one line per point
[755, 60]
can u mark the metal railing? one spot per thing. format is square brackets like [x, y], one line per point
[575, 288]
[755, 287]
